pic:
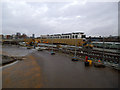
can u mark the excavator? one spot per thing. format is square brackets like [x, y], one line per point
[31, 43]
[87, 44]
[34, 42]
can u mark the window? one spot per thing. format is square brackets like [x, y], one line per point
[76, 36]
[83, 36]
[68, 36]
[73, 36]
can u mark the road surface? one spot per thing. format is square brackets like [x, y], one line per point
[42, 70]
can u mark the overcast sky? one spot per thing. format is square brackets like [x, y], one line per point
[92, 18]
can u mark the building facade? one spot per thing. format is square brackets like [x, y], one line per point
[74, 35]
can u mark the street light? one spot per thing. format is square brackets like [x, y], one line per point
[52, 52]
[75, 56]
[103, 49]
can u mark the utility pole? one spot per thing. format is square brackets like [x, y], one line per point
[118, 58]
[103, 49]
[52, 43]
[119, 63]
[75, 47]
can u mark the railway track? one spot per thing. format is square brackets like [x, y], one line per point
[95, 54]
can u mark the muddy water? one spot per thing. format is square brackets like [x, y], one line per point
[16, 50]
[60, 72]
[13, 50]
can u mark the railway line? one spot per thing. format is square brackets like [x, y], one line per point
[94, 54]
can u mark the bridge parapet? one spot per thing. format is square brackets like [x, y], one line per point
[18, 40]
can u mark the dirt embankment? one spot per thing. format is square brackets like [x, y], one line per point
[6, 59]
[9, 54]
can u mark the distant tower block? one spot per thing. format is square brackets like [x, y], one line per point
[33, 35]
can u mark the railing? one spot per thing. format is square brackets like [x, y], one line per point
[12, 39]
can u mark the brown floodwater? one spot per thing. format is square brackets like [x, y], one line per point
[42, 70]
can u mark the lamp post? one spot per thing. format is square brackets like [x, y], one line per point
[75, 46]
[52, 43]
[103, 49]
[118, 58]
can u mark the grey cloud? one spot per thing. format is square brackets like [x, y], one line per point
[46, 18]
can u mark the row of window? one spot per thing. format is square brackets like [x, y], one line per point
[66, 37]
[76, 36]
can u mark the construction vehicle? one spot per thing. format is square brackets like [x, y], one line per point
[87, 44]
[30, 43]
[79, 42]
